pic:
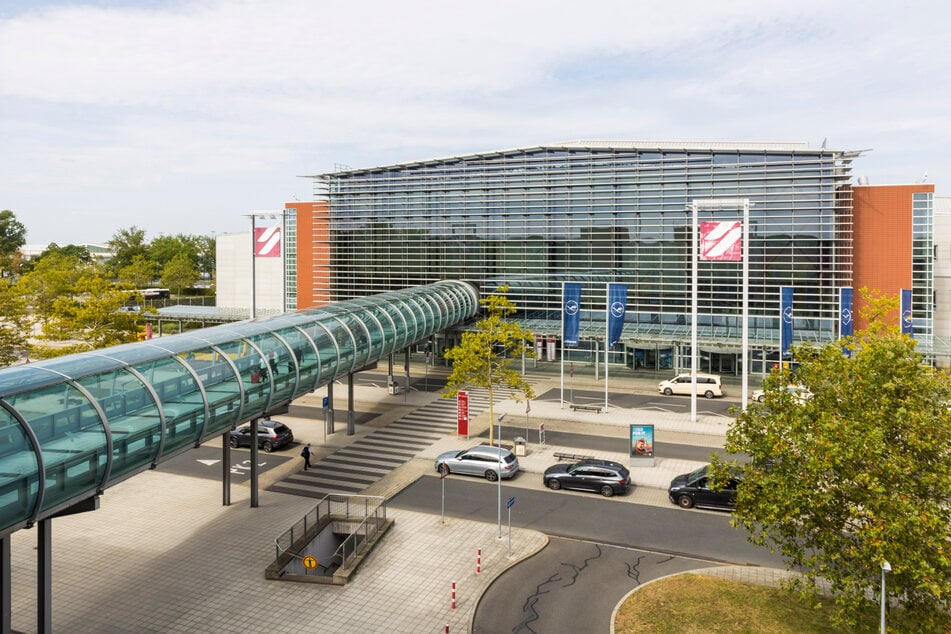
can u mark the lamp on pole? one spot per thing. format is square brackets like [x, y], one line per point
[886, 567]
[499, 478]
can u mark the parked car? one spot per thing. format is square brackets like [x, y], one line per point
[693, 489]
[272, 435]
[481, 460]
[708, 385]
[798, 392]
[603, 476]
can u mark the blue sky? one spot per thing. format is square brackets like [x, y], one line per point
[185, 116]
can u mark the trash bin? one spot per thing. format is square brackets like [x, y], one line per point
[519, 446]
[394, 388]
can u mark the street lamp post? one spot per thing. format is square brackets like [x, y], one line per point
[499, 479]
[886, 567]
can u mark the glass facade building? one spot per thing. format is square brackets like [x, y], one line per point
[600, 212]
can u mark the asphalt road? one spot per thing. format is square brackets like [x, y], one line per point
[205, 462]
[600, 549]
[570, 586]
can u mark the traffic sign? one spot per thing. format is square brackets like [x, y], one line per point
[310, 562]
[443, 470]
[510, 503]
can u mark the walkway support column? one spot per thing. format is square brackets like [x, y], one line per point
[351, 427]
[330, 407]
[44, 576]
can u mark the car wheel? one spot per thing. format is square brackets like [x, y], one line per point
[607, 491]
[668, 391]
[491, 476]
[761, 398]
[234, 442]
[554, 484]
[685, 501]
[267, 446]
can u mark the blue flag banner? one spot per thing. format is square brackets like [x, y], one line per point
[617, 306]
[571, 314]
[845, 312]
[846, 326]
[907, 326]
[785, 319]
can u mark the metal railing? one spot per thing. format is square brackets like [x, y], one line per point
[361, 535]
[370, 509]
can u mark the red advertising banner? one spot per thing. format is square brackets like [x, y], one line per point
[721, 241]
[267, 242]
[462, 410]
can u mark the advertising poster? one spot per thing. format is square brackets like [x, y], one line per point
[642, 445]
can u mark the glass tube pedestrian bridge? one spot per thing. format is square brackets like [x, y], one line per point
[74, 425]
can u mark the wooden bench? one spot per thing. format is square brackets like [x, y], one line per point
[561, 456]
[586, 407]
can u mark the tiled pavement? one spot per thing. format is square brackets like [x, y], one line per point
[163, 555]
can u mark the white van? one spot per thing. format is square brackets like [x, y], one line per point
[708, 385]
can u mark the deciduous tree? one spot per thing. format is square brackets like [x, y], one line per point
[485, 355]
[180, 273]
[12, 237]
[858, 474]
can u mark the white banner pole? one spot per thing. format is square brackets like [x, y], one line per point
[694, 247]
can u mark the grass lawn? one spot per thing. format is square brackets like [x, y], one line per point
[695, 604]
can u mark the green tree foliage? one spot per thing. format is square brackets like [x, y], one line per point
[13, 324]
[139, 273]
[180, 273]
[164, 249]
[126, 244]
[858, 474]
[90, 317]
[12, 237]
[485, 355]
[76, 304]
[53, 276]
[206, 254]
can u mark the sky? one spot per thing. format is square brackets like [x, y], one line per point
[186, 116]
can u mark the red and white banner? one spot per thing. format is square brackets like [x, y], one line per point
[721, 241]
[462, 413]
[267, 242]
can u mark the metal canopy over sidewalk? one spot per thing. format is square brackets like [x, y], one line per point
[74, 425]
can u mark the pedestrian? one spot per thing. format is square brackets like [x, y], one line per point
[305, 452]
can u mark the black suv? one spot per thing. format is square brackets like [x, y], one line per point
[694, 489]
[271, 435]
[603, 476]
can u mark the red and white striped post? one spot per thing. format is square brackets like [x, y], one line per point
[453, 595]
[479, 561]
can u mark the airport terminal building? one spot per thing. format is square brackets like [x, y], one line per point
[599, 212]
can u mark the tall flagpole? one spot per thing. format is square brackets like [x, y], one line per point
[607, 338]
[746, 302]
[694, 247]
[253, 308]
[562, 345]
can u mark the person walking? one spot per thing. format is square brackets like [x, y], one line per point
[305, 452]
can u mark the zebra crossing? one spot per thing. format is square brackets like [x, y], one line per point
[353, 468]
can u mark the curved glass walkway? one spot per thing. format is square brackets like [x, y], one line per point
[74, 425]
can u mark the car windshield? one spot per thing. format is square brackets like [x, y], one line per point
[280, 428]
[509, 458]
[699, 473]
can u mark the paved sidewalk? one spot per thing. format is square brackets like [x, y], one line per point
[163, 555]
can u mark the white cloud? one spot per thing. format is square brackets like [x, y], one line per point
[155, 116]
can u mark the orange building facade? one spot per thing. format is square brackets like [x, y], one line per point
[313, 253]
[891, 244]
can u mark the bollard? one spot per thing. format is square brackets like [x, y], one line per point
[453, 595]
[447, 628]
[479, 562]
